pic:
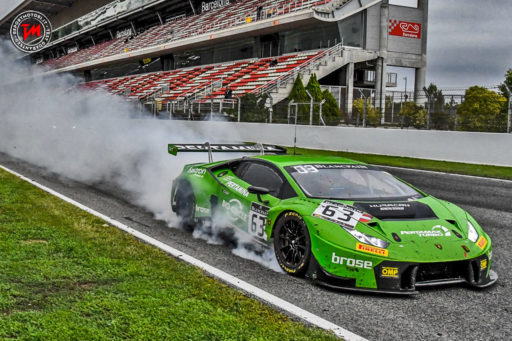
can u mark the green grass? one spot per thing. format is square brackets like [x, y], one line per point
[407, 162]
[67, 275]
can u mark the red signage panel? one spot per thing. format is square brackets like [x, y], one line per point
[404, 29]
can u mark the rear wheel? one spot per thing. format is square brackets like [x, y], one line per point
[292, 244]
[185, 205]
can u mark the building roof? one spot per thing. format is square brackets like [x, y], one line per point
[47, 7]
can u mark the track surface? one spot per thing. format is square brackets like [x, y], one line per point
[449, 313]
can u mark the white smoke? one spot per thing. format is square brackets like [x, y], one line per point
[88, 136]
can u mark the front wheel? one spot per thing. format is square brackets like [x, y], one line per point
[292, 244]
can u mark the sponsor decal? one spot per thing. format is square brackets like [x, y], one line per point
[490, 255]
[236, 187]
[372, 249]
[203, 210]
[352, 263]
[257, 218]
[211, 5]
[341, 214]
[437, 231]
[481, 242]
[483, 264]
[235, 210]
[199, 172]
[124, 33]
[226, 148]
[305, 169]
[391, 207]
[388, 272]
[31, 31]
[404, 29]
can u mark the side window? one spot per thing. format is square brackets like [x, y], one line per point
[259, 175]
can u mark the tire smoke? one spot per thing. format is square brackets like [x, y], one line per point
[92, 137]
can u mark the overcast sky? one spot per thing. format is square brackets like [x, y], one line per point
[469, 42]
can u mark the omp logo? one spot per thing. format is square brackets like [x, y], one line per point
[372, 249]
[353, 263]
[483, 264]
[33, 31]
[389, 272]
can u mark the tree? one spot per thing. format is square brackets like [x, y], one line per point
[330, 110]
[508, 81]
[315, 90]
[299, 95]
[482, 110]
[253, 109]
[373, 116]
[413, 115]
[440, 119]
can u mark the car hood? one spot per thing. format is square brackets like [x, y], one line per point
[417, 221]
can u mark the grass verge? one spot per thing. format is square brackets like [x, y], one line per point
[407, 162]
[65, 274]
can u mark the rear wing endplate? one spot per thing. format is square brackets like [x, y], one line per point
[174, 149]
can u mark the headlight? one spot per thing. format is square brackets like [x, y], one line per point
[366, 239]
[472, 234]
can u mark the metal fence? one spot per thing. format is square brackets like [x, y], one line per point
[401, 110]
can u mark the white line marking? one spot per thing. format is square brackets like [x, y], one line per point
[214, 272]
[444, 173]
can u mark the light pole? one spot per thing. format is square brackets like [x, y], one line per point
[509, 121]
[405, 79]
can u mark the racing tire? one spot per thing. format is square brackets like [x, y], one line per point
[185, 205]
[292, 244]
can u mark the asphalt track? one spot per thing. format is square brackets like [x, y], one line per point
[447, 313]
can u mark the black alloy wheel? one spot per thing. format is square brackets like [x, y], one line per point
[292, 244]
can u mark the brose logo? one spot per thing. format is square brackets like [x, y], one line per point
[389, 272]
[31, 31]
[354, 263]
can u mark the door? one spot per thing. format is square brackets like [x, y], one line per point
[244, 210]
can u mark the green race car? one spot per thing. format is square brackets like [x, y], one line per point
[342, 223]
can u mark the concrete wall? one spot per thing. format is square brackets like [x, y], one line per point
[477, 148]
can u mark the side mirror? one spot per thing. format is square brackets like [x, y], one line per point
[259, 191]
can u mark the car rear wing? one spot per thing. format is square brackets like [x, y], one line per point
[174, 149]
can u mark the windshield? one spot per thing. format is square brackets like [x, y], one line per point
[349, 182]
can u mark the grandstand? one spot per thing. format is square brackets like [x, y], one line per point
[168, 50]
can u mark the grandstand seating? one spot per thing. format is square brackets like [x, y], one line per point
[242, 77]
[232, 15]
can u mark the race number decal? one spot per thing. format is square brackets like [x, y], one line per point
[257, 220]
[344, 215]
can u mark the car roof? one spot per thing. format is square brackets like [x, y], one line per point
[292, 160]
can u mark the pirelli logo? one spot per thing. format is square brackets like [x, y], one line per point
[481, 242]
[372, 249]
